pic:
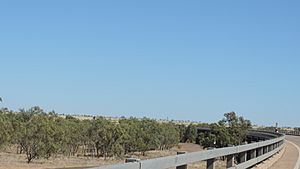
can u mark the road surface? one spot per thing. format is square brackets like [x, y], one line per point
[291, 156]
[295, 140]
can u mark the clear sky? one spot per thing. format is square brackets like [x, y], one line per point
[191, 60]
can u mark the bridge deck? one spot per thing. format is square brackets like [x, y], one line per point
[288, 159]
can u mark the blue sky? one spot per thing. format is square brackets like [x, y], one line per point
[191, 60]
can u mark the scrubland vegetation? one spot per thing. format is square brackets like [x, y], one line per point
[40, 134]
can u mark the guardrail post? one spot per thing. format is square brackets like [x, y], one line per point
[131, 160]
[182, 166]
[230, 159]
[243, 156]
[210, 163]
[252, 153]
[266, 149]
[279, 143]
[270, 148]
[260, 151]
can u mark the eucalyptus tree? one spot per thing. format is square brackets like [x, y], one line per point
[38, 135]
[231, 130]
[168, 136]
[190, 134]
[5, 130]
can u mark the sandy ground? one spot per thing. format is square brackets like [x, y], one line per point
[11, 160]
[16, 161]
[202, 165]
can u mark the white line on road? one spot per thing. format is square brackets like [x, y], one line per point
[297, 165]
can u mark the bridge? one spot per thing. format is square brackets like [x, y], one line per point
[263, 147]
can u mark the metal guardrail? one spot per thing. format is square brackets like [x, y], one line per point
[294, 133]
[238, 157]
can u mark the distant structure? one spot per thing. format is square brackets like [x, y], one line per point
[276, 128]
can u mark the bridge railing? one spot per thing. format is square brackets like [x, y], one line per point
[295, 133]
[237, 157]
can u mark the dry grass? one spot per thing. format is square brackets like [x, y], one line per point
[202, 165]
[17, 161]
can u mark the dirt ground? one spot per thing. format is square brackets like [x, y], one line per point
[11, 160]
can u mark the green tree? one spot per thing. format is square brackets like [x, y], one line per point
[147, 135]
[106, 137]
[5, 130]
[168, 135]
[237, 127]
[130, 140]
[38, 136]
[190, 134]
[231, 130]
[181, 131]
[73, 135]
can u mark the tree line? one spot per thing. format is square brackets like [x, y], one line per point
[40, 134]
[231, 130]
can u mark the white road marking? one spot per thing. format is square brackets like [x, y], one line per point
[297, 165]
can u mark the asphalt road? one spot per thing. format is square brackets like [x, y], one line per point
[296, 141]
